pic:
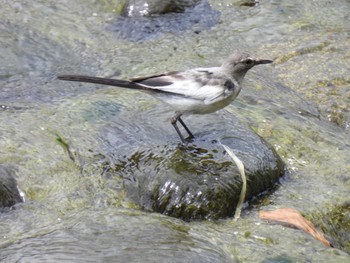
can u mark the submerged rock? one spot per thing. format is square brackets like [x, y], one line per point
[335, 223]
[195, 17]
[9, 194]
[199, 181]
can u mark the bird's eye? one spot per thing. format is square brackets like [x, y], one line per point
[249, 61]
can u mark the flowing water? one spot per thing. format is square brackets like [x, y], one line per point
[75, 213]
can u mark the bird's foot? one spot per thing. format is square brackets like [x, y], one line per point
[174, 120]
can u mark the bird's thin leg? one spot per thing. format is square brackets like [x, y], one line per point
[173, 122]
[184, 125]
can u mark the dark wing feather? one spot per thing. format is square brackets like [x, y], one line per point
[157, 80]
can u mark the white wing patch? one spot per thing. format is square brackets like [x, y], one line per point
[197, 84]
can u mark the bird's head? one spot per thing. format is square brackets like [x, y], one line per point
[238, 64]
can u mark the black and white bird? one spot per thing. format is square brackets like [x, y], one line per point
[193, 91]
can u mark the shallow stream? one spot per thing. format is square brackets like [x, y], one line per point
[74, 213]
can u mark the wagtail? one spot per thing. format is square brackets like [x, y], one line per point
[193, 91]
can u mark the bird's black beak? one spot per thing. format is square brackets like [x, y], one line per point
[263, 61]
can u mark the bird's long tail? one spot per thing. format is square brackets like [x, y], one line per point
[103, 81]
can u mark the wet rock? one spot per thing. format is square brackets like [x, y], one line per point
[10, 108]
[249, 3]
[196, 18]
[199, 181]
[153, 7]
[9, 194]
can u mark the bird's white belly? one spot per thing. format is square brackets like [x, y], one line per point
[193, 106]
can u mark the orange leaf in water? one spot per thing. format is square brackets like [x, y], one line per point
[291, 217]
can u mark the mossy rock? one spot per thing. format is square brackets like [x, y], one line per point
[200, 181]
[335, 223]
